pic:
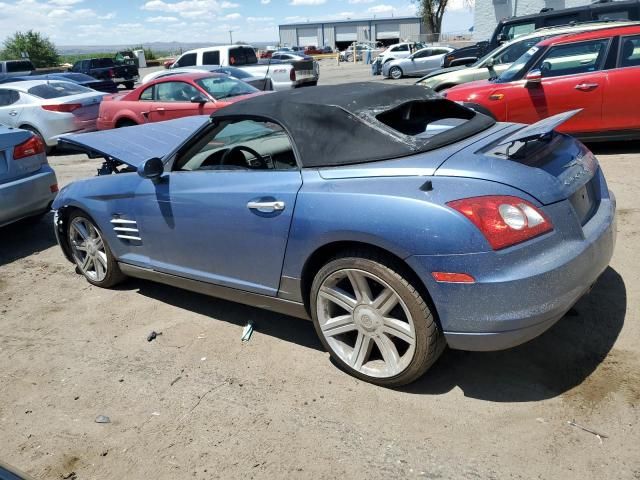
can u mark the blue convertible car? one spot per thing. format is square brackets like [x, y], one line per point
[398, 221]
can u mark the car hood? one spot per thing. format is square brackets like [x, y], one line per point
[134, 145]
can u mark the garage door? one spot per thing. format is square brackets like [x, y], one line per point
[308, 37]
[387, 30]
[346, 33]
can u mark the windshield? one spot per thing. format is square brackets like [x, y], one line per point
[225, 87]
[508, 53]
[516, 67]
[57, 90]
[102, 63]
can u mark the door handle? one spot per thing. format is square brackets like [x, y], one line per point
[266, 207]
[13, 113]
[585, 87]
[160, 109]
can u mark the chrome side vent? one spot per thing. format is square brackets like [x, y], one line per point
[126, 229]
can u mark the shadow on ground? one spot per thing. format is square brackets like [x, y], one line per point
[548, 366]
[24, 238]
[560, 359]
[276, 325]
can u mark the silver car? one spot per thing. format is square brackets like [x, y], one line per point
[49, 108]
[417, 64]
[28, 184]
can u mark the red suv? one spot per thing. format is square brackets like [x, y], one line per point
[597, 71]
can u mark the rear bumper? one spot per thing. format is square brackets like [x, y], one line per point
[104, 124]
[27, 196]
[521, 292]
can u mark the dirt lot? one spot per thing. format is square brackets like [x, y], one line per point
[199, 403]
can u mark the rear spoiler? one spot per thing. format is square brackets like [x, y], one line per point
[539, 129]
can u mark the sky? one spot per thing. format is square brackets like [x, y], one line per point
[120, 22]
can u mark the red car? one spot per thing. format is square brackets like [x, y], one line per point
[173, 96]
[597, 71]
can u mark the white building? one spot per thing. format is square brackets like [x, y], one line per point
[341, 33]
[489, 12]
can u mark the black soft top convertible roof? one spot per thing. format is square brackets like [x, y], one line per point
[340, 125]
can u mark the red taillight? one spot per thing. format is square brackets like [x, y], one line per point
[450, 277]
[292, 75]
[54, 188]
[503, 220]
[111, 73]
[63, 107]
[31, 147]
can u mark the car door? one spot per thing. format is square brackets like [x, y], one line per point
[173, 100]
[620, 109]
[417, 63]
[222, 215]
[572, 78]
[10, 110]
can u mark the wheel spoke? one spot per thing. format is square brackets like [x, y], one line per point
[360, 286]
[86, 262]
[399, 329]
[389, 352]
[102, 259]
[386, 301]
[81, 247]
[338, 325]
[361, 351]
[99, 243]
[339, 297]
[99, 268]
[81, 230]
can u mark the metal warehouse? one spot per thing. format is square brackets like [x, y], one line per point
[341, 33]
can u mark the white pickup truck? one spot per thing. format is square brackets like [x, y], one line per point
[283, 75]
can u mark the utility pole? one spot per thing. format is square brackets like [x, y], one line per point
[231, 37]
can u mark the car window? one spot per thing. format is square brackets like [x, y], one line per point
[242, 56]
[243, 145]
[573, 58]
[102, 63]
[423, 53]
[234, 72]
[86, 64]
[512, 31]
[211, 58]
[175, 92]
[147, 94]
[630, 51]
[515, 51]
[401, 48]
[188, 60]
[57, 90]
[517, 67]
[19, 66]
[8, 97]
[221, 87]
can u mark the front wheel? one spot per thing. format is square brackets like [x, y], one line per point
[395, 73]
[373, 321]
[91, 253]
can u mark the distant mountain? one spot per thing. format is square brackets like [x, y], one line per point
[155, 46]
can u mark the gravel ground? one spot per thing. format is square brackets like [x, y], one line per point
[197, 402]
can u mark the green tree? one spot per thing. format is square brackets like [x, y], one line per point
[432, 12]
[40, 49]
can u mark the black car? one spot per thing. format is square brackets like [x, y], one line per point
[107, 86]
[509, 28]
[107, 69]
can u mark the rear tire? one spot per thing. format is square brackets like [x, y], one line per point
[125, 123]
[373, 321]
[91, 253]
[395, 73]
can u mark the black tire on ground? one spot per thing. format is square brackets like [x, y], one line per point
[128, 85]
[429, 341]
[114, 275]
[395, 73]
[47, 149]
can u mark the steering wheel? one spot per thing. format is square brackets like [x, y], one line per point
[239, 148]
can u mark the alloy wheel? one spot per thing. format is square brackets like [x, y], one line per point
[366, 323]
[395, 73]
[88, 249]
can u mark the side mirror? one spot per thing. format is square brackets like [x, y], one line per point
[502, 38]
[199, 99]
[151, 169]
[534, 76]
[490, 63]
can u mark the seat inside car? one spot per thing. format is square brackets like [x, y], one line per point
[629, 59]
